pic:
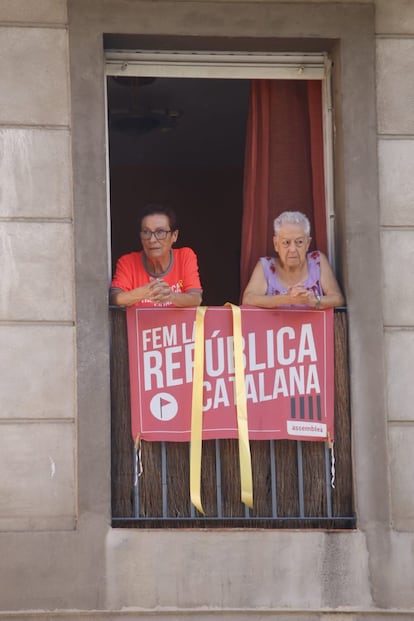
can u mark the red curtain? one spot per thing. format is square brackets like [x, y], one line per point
[284, 165]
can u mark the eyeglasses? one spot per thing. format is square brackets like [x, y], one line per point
[299, 243]
[159, 234]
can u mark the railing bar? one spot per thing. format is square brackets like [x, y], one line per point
[218, 481]
[300, 479]
[273, 477]
[328, 481]
[136, 481]
[286, 518]
[164, 479]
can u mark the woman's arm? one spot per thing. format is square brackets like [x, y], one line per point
[190, 298]
[255, 292]
[157, 291]
[332, 294]
[119, 297]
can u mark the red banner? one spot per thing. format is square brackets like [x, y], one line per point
[288, 373]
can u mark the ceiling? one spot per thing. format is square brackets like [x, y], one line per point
[177, 121]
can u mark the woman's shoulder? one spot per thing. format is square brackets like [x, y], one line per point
[268, 263]
[130, 257]
[314, 257]
[268, 260]
[184, 252]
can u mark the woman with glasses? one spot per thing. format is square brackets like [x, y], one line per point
[158, 275]
[294, 276]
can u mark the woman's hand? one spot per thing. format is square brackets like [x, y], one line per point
[301, 295]
[159, 291]
[156, 291]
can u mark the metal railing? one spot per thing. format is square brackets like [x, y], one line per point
[296, 484]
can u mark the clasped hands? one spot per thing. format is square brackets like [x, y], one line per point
[303, 295]
[158, 291]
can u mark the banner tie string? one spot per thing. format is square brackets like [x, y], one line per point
[332, 466]
[139, 469]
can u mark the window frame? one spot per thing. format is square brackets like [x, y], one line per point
[197, 64]
[241, 66]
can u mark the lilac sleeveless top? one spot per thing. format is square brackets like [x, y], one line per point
[312, 283]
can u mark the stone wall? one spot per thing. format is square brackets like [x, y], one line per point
[59, 556]
[395, 98]
[37, 353]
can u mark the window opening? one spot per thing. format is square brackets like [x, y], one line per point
[176, 131]
[180, 141]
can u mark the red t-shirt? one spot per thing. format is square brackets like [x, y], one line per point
[182, 274]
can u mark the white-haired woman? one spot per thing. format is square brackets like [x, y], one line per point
[294, 277]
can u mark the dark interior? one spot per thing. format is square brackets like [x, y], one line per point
[180, 141]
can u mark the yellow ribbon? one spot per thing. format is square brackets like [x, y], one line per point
[197, 411]
[246, 478]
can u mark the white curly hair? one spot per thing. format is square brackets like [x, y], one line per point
[291, 217]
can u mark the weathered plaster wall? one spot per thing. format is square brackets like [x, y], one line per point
[395, 99]
[58, 552]
[48, 556]
[37, 353]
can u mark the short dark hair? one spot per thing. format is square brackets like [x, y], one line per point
[155, 209]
